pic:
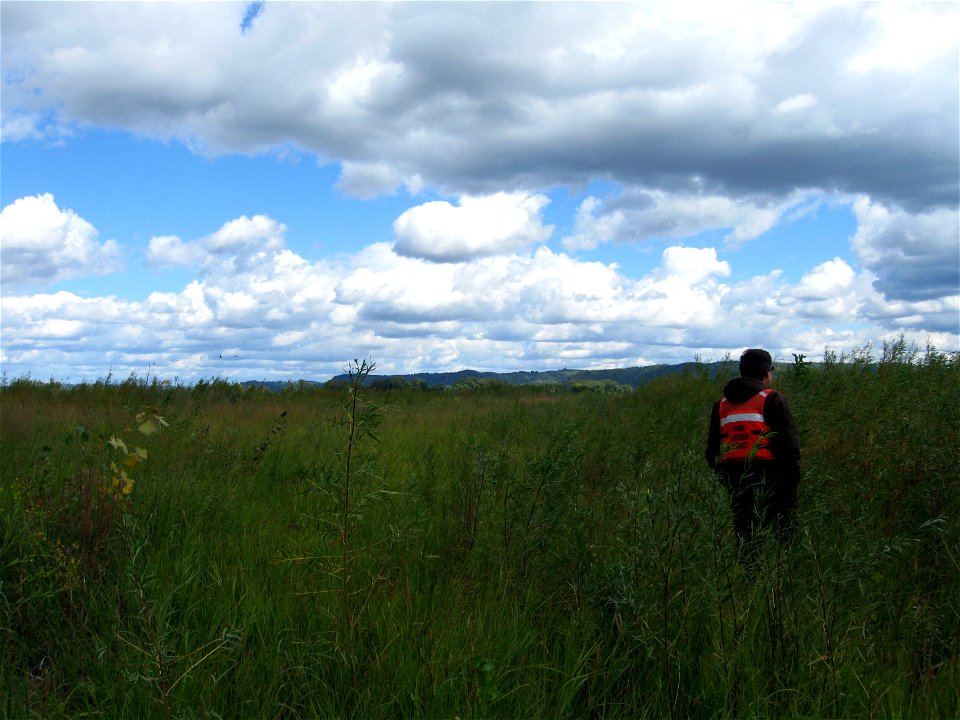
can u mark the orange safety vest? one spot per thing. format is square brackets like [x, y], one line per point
[743, 433]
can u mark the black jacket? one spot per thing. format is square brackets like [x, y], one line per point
[785, 440]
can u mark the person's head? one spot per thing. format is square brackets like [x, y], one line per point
[755, 363]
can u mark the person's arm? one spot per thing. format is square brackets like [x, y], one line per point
[785, 442]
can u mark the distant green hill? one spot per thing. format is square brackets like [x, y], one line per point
[632, 376]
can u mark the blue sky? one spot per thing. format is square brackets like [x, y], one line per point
[267, 191]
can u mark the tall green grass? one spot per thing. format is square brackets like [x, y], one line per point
[495, 553]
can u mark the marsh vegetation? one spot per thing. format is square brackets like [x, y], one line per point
[498, 552]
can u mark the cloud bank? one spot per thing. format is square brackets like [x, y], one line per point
[261, 310]
[478, 99]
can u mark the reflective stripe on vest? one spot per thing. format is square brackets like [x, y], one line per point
[743, 432]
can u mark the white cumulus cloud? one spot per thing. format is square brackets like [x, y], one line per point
[40, 244]
[240, 243]
[486, 225]
[639, 215]
[370, 180]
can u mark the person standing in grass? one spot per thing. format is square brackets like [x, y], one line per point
[754, 448]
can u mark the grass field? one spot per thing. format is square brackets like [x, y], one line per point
[504, 552]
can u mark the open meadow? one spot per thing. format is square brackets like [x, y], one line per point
[223, 551]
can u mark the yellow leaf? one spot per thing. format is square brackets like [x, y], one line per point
[150, 420]
[141, 453]
[131, 461]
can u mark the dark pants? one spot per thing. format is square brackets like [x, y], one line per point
[759, 499]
